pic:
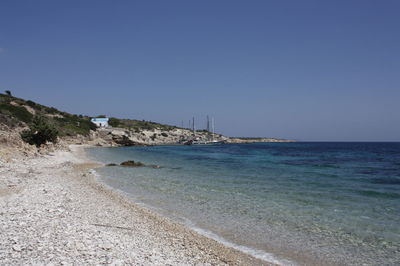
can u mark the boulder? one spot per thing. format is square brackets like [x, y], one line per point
[123, 140]
[132, 164]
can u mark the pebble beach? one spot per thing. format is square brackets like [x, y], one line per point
[54, 212]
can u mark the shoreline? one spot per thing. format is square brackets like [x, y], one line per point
[263, 257]
[53, 210]
[206, 237]
[273, 257]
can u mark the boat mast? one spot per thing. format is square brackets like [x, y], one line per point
[193, 127]
[208, 128]
[212, 124]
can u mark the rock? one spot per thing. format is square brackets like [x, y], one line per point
[155, 166]
[17, 248]
[80, 246]
[123, 140]
[117, 262]
[132, 164]
[111, 164]
[105, 246]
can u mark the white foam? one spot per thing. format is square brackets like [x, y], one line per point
[259, 254]
[93, 172]
[256, 253]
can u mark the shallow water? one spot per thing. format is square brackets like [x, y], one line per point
[309, 203]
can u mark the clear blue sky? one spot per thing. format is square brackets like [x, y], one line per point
[308, 70]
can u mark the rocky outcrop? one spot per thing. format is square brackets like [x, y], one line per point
[13, 148]
[124, 141]
[124, 137]
[132, 164]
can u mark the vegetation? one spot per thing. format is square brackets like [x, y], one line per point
[14, 111]
[31, 104]
[203, 131]
[19, 112]
[40, 131]
[114, 122]
[138, 125]
[10, 121]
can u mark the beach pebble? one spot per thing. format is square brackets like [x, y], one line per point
[17, 248]
[55, 217]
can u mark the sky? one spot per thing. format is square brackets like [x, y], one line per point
[303, 70]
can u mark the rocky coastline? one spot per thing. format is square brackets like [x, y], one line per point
[124, 137]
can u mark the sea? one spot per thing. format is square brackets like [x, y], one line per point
[301, 203]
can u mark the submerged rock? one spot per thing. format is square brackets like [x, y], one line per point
[155, 166]
[111, 164]
[132, 164]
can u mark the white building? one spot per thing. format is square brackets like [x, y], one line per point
[100, 122]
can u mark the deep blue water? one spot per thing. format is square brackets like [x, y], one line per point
[310, 203]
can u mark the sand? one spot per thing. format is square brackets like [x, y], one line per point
[54, 212]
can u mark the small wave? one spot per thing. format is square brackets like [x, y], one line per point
[312, 163]
[176, 168]
[380, 171]
[386, 181]
[93, 172]
[256, 253]
[376, 194]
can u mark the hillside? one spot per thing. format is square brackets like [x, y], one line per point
[17, 114]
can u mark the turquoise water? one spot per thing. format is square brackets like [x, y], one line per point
[304, 203]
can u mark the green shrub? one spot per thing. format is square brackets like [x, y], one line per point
[164, 134]
[92, 126]
[18, 112]
[40, 132]
[114, 122]
[31, 103]
[9, 121]
[72, 125]
[51, 110]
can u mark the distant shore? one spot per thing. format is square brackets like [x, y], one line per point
[255, 140]
[123, 137]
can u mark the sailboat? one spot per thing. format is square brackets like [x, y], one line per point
[208, 141]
